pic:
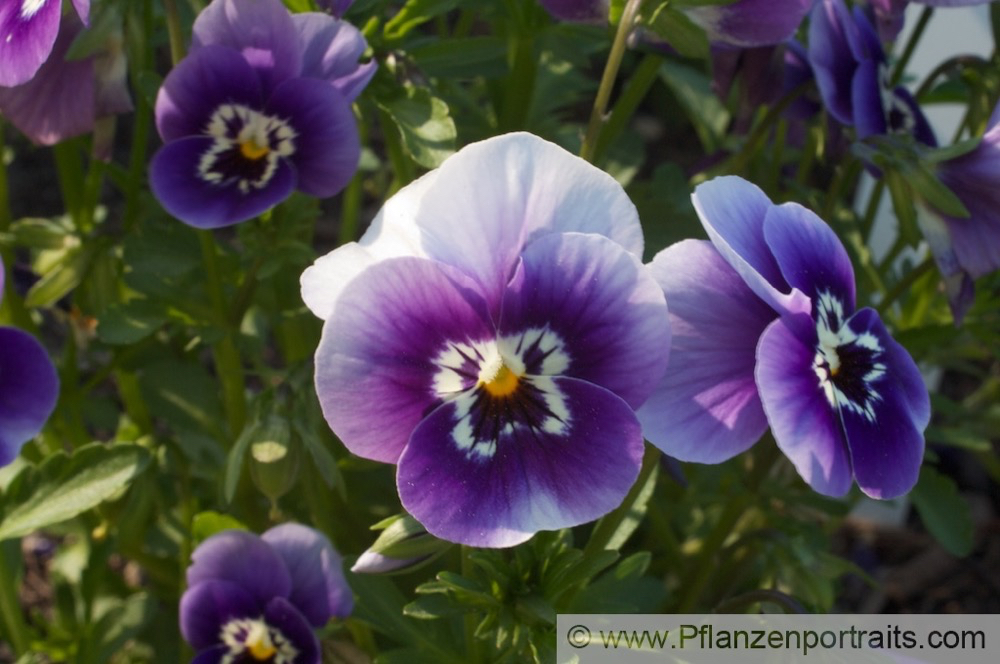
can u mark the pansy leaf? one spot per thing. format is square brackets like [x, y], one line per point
[932, 190]
[425, 125]
[693, 90]
[944, 512]
[64, 486]
[205, 524]
[128, 322]
[678, 30]
[902, 204]
[414, 13]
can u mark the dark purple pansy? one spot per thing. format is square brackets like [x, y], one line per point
[28, 31]
[578, 11]
[852, 73]
[260, 107]
[968, 248]
[253, 598]
[765, 333]
[29, 388]
[749, 23]
[491, 334]
[66, 98]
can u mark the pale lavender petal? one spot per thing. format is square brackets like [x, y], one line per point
[884, 430]
[208, 606]
[319, 590]
[327, 148]
[492, 198]
[706, 408]
[281, 615]
[198, 86]
[27, 32]
[175, 180]
[58, 102]
[750, 23]
[809, 254]
[261, 30]
[566, 452]
[29, 389]
[732, 211]
[602, 305]
[241, 558]
[331, 50]
[803, 420]
[82, 8]
[393, 349]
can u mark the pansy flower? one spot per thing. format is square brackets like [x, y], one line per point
[578, 11]
[335, 7]
[29, 388]
[749, 23]
[260, 107]
[253, 598]
[28, 30]
[491, 334]
[765, 333]
[67, 98]
[852, 73]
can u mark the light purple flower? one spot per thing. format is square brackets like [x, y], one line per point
[260, 107]
[335, 7]
[28, 31]
[749, 23]
[29, 388]
[491, 334]
[66, 98]
[852, 73]
[253, 598]
[578, 11]
[968, 248]
[765, 333]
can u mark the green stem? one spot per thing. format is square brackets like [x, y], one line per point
[142, 57]
[472, 645]
[872, 208]
[228, 365]
[608, 525]
[15, 628]
[911, 45]
[614, 63]
[633, 94]
[402, 167]
[520, 82]
[350, 210]
[70, 172]
[739, 161]
[904, 284]
[174, 31]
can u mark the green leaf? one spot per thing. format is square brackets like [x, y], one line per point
[66, 275]
[65, 486]
[129, 322]
[903, 205]
[944, 512]
[424, 123]
[185, 395]
[414, 13]
[205, 524]
[37, 233]
[693, 90]
[467, 58]
[678, 30]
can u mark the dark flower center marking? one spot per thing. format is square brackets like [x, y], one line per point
[899, 117]
[847, 364]
[247, 148]
[502, 387]
[253, 640]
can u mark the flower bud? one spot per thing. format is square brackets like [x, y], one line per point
[403, 546]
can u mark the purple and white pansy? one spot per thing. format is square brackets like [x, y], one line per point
[28, 30]
[260, 107]
[765, 333]
[491, 334]
[259, 599]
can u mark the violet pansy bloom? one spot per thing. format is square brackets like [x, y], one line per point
[28, 30]
[29, 388]
[766, 334]
[852, 73]
[578, 11]
[491, 334]
[253, 598]
[335, 7]
[749, 23]
[261, 106]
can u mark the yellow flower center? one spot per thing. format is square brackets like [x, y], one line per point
[258, 643]
[251, 150]
[503, 383]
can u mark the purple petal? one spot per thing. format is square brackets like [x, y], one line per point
[82, 9]
[515, 188]
[601, 303]
[565, 452]
[261, 30]
[732, 211]
[830, 53]
[336, 7]
[803, 420]
[27, 32]
[319, 590]
[198, 86]
[386, 351]
[579, 11]
[331, 49]
[243, 559]
[749, 23]
[706, 408]
[214, 655]
[809, 254]
[175, 180]
[885, 434]
[327, 147]
[29, 389]
[906, 115]
[205, 608]
[283, 616]
[867, 98]
[58, 102]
